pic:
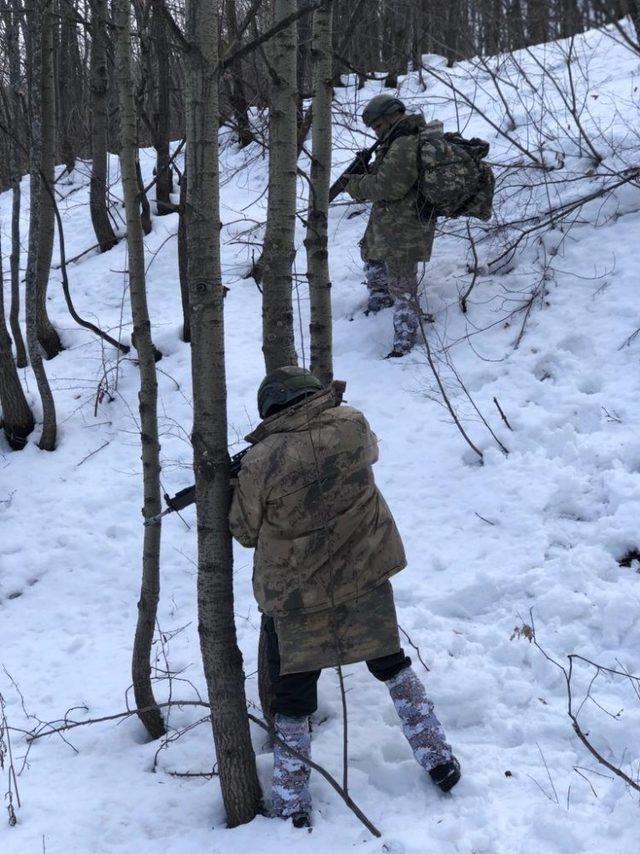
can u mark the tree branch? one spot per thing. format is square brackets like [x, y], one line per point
[234, 55]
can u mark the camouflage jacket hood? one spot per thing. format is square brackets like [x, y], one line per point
[307, 501]
[395, 232]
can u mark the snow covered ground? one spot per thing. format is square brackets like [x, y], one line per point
[542, 529]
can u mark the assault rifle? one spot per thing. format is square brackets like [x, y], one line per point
[357, 167]
[187, 495]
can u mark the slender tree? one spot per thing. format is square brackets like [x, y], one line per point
[278, 343]
[220, 654]
[99, 81]
[182, 259]
[316, 237]
[12, 20]
[148, 394]
[47, 335]
[233, 81]
[17, 419]
[69, 73]
[161, 116]
[37, 10]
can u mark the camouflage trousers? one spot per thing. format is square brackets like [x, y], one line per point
[421, 727]
[395, 285]
[290, 789]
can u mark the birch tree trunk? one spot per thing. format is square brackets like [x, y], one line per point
[13, 50]
[316, 237]
[47, 335]
[35, 14]
[148, 394]
[99, 84]
[17, 420]
[278, 343]
[221, 657]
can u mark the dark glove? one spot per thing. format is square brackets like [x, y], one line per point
[360, 165]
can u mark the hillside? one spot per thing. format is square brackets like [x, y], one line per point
[542, 530]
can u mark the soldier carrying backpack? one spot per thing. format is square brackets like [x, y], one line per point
[419, 173]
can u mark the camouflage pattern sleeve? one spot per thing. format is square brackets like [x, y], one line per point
[397, 174]
[247, 506]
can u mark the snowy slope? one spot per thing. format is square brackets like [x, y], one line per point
[541, 529]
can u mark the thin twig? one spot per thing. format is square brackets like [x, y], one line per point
[444, 394]
[93, 452]
[502, 415]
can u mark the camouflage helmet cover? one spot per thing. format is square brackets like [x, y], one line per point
[381, 105]
[285, 386]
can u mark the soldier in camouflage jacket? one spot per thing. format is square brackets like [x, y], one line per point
[325, 546]
[396, 238]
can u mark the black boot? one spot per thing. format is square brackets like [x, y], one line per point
[447, 775]
[301, 820]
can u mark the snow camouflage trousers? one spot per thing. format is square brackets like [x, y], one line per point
[420, 725]
[290, 791]
[395, 284]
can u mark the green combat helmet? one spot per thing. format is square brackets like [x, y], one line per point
[285, 386]
[381, 105]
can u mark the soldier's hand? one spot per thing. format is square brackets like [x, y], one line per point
[361, 163]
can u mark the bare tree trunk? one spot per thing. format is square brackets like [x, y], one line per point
[36, 10]
[99, 78]
[234, 83]
[395, 42]
[278, 342]
[161, 113]
[182, 259]
[634, 11]
[17, 420]
[316, 238]
[67, 86]
[221, 657]
[142, 200]
[148, 395]
[13, 50]
[47, 335]
[537, 22]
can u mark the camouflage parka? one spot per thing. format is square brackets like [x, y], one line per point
[394, 232]
[307, 501]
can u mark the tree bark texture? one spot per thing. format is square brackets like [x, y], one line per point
[278, 342]
[221, 656]
[47, 335]
[99, 83]
[148, 394]
[316, 237]
[17, 419]
[36, 10]
[13, 50]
